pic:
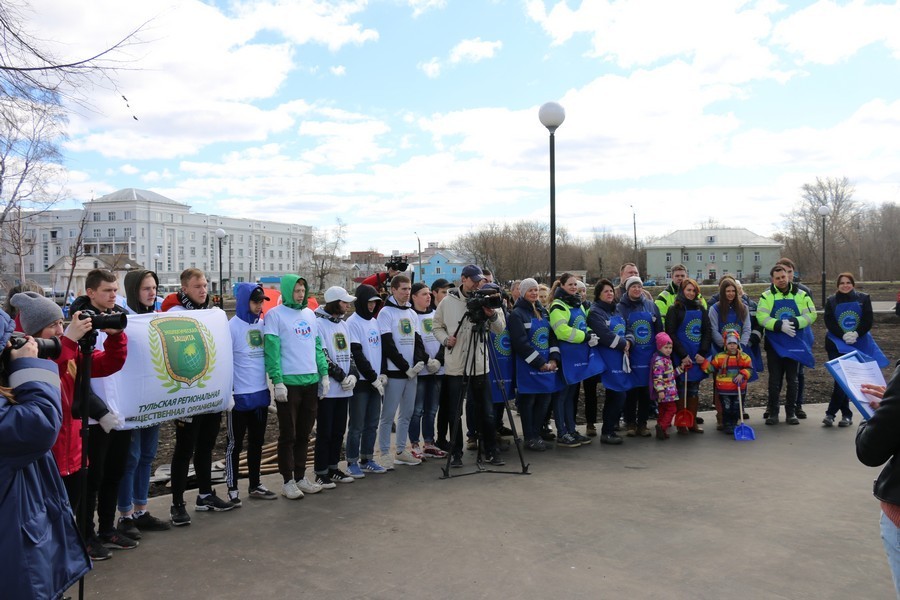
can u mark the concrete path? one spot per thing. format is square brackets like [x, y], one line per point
[790, 515]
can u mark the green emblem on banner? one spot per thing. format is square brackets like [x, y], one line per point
[406, 327]
[183, 352]
[428, 325]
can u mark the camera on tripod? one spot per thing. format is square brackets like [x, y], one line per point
[481, 299]
[47, 348]
[398, 263]
[105, 321]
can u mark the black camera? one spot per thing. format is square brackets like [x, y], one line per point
[116, 320]
[49, 348]
[398, 263]
[481, 299]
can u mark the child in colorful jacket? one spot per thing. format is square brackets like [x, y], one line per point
[732, 369]
[665, 390]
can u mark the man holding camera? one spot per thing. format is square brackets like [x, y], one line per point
[107, 449]
[382, 281]
[454, 325]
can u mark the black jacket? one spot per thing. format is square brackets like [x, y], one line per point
[519, 325]
[878, 441]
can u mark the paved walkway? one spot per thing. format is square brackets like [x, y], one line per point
[790, 515]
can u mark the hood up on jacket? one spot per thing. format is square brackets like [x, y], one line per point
[363, 294]
[133, 281]
[242, 293]
[287, 291]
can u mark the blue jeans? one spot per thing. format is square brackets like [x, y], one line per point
[134, 486]
[365, 411]
[565, 409]
[428, 392]
[398, 394]
[532, 410]
[890, 535]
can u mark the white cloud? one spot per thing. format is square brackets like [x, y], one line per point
[338, 71]
[129, 169]
[474, 50]
[421, 6]
[431, 68]
[827, 33]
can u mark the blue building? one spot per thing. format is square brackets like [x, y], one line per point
[438, 263]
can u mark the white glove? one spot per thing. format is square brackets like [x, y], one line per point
[348, 383]
[280, 392]
[230, 403]
[788, 328]
[326, 385]
[593, 340]
[415, 369]
[433, 366]
[850, 337]
[110, 421]
[626, 364]
[383, 379]
[378, 385]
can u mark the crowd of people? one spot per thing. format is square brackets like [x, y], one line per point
[404, 367]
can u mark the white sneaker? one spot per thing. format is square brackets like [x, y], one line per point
[324, 482]
[308, 487]
[387, 461]
[290, 490]
[406, 458]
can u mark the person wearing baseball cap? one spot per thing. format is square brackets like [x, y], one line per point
[251, 393]
[334, 401]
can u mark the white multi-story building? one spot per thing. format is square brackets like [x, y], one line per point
[134, 228]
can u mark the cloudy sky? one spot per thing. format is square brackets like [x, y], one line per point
[403, 116]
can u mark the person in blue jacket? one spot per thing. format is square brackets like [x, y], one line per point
[42, 552]
[642, 323]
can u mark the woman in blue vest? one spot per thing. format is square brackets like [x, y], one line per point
[728, 310]
[642, 323]
[848, 319]
[687, 323]
[569, 323]
[613, 347]
[537, 361]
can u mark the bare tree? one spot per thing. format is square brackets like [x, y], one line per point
[326, 255]
[76, 250]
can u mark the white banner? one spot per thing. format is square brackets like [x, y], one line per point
[179, 364]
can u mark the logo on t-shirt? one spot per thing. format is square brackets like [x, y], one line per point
[374, 338]
[340, 342]
[406, 327]
[303, 329]
[428, 325]
[254, 338]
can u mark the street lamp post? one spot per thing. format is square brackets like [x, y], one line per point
[552, 116]
[420, 258]
[220, 233]
[824, 211]
[634, 222]
[156, 264]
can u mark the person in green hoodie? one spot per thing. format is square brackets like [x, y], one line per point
[296, 365]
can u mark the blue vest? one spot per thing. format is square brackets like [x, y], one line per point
[614, 378]
[795, 348]
[848, 315]
[578, 362]
[501, 367]
[689, 334]
[532, 381]
[640, 324]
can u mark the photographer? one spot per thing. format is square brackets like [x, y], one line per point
[453, 327]
[107, 452]
[382, 281]
[33, 504]
[42, 318]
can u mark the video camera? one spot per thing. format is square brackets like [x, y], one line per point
[398, 263]
[481, 299]
[116, 320]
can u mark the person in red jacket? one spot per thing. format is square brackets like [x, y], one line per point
[382, 281]
[42, 318]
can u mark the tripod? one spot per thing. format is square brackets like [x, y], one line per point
[480, 335]
[82, 393]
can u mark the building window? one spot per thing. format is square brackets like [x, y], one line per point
[685, 257]
[668, 257]
[724, 257]
[739, 257]
[58, 251]
[111, 232]
[437, 270]
[712, 274]
[241, 238]
[710, 239]
[240, 253]
[127, 215]
[699, 274]
[127, 232]
[111, 215]
[193, 236]
[712, 257]
[193, 251]
[699, 257]
[756, 257]
[453, 270]
[740, 273]
[96, 233]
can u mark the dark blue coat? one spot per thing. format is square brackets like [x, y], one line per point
[42, 554]
[519, 325]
